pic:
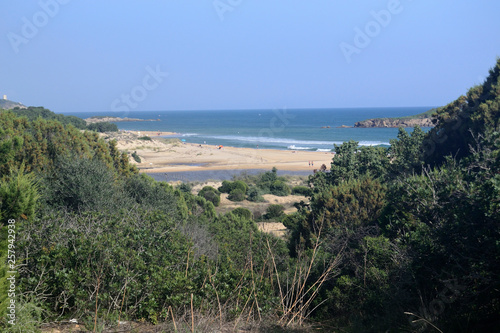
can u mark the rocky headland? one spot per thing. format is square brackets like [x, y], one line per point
[422, 120]
[394, 122]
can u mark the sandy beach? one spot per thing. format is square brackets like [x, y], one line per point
[170, 155]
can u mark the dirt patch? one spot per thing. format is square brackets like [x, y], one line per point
[274, 228]
[197, 187]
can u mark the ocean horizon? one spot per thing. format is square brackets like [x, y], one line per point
[284, 129]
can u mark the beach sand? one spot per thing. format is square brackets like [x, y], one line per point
[169, 155]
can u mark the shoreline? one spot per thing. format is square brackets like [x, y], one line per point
[164, 155]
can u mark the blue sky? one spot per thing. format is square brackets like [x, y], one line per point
[70, 55]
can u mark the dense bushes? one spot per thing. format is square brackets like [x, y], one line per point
[302, 190]
[279, 188]
[80, 184]
[33, 113]
[274, 212]
[103, 127]
[236, 195]
[44, 141]
[254, 195]
[210, 194]
[243, 212]
[228, 186]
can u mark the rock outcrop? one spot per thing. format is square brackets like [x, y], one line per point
[395, 122]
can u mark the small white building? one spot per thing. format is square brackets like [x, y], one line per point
[5, 97]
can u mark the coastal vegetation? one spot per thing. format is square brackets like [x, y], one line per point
[398, 239]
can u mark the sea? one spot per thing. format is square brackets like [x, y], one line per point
[285, 129]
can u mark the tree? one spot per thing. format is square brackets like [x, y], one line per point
[343, 167]
[406, 151]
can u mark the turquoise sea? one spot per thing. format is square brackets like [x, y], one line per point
[293, 129]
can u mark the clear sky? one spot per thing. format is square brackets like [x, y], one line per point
[89, 55]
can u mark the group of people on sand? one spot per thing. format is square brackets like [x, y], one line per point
[311, 163]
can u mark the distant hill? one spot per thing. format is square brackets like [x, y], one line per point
[422, 119]
[33, 113]
[6, 104]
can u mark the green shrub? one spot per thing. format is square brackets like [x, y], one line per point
[136, 157]
[236, 195]
[239, 184]
[81, 184]
[243, 212]
[279, 188]
[302, 190]
[275, 212]
[145, 191]
[228, 186]
[210, 194]
[145, 138]
[185, 187]
[254, 195]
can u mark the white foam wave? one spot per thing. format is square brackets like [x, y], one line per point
[262, 139]
[298, 144]
[294, 147]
